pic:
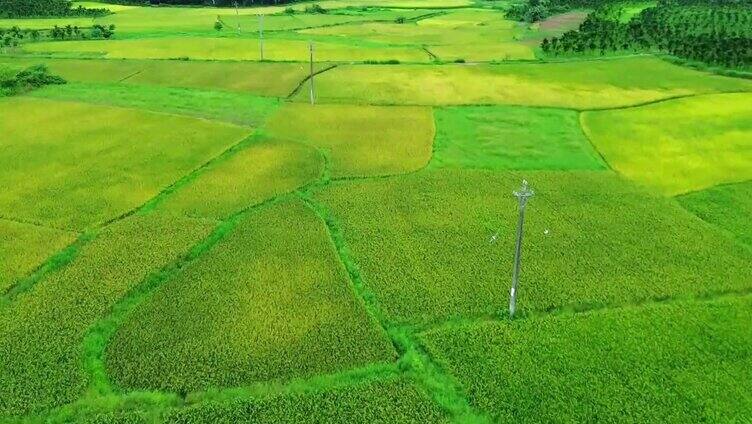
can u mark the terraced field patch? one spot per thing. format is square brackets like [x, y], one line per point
[360, 140]
[232, 107]
[422, 243]
[139, 22]
[271, 301]
[264, 79]
[184, 238]
[46, 370]
[23, 247]
[507, 138]
[228, 49]
[578, 85]
[655, 363]
[470, 34]
[727, 206]
[260, 170]
[77, 173]
[398, 398]
[710, 144]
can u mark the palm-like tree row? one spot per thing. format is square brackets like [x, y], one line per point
[713, 33]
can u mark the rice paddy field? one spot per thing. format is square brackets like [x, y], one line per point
[193, 233]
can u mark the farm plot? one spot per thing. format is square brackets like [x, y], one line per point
[261, 170]
[711, 142]
[86, 70]
[727, 206]
[141, 21]
[72, 165]
[504, 137]
[24, 247]
[227, 49]
[42, 330]
[112, 7]
[396, 399]
[670, 363]
[271, 301]
[422, 243]
[264, 79]
[236, 108]
[360, 140]
[555, 26]
[578, 85]
[40, 23]
[473, 34]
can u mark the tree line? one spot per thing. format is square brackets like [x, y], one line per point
[45, 8]
[538, 10]
[217, 3]
[716, 34]
[15, 36]
[16, 82]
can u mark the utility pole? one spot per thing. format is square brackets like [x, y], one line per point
[261, 35]
[313, 91]
[523, 194]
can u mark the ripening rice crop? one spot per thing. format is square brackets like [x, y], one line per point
[145, 21]
[87, 70]
[259, 171]
[73, 165]
[41, 23]
[41, 331]
[228, 49]
[265, 79]
[680, 145]
[579, 85]
[24, 247]
[473, 35]
[271, 301]
[232, 107]
[672, 363]
[727, 206]
[504, 137]
[360, 140]
[395, 399]
[439, 244]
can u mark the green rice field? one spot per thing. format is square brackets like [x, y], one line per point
[193, 233]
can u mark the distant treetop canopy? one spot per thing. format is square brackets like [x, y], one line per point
[221, 3]
[22, 8]
[44, 8]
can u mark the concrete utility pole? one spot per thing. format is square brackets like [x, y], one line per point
[261, 35]
[237, 15]
[313, 91]
[523, 194]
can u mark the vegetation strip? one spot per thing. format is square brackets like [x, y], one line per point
[413, 358]
[68, 254]
[96, 340]
[308, 77]
[571, 310]
[127, 77]
[52, 264]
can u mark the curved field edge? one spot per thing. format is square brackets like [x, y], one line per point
[726, 206]
[276, 270]
[577, 85]
[665, 355]
[704, 148]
